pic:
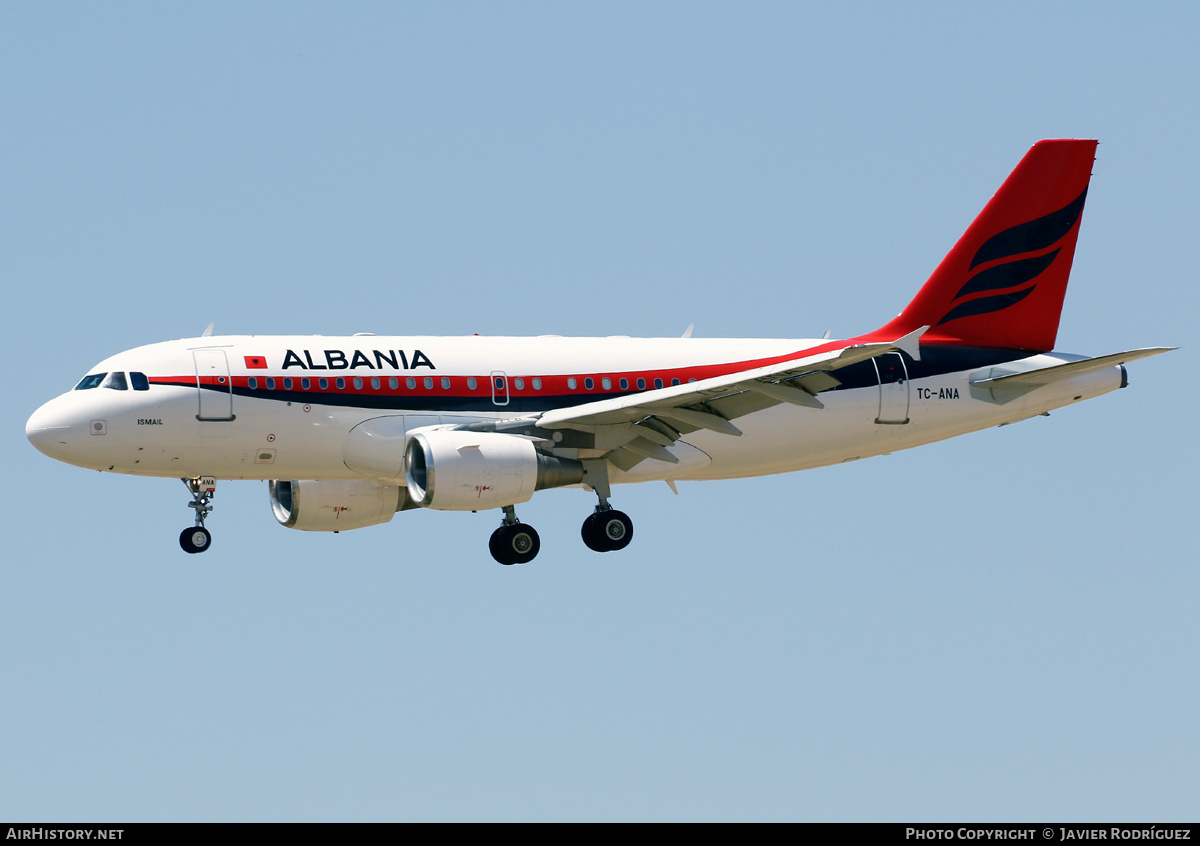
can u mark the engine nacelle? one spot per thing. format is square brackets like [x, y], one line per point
[335, 505]
[455, 470]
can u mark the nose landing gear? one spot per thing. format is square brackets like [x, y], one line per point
[197, 538]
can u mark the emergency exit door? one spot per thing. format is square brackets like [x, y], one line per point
[893, 388]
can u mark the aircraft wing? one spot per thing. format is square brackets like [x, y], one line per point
[653, 420]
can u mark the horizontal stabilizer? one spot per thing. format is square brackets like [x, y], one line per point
[1045, 375]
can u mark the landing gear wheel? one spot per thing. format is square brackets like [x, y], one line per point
[592, 537]
[515, 544]
[195, 539]
[607, 531]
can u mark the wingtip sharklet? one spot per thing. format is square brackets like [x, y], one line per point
[911, 343]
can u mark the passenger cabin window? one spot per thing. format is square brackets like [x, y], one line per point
[92, 381]
[115, 381]
[139, 381]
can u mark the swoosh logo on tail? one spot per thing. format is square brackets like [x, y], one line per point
[1032, 236]
[1029, 237]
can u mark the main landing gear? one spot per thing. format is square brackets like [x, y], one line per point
[514, 542]
[605, 530]
[197, 538]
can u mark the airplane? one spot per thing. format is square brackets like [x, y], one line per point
[349, 431]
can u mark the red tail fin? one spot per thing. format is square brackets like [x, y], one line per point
[1003, 283]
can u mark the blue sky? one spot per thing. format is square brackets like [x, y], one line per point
[999, 627]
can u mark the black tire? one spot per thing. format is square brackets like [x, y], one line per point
[195, 539]
[515, 544]
[607, 531]
[592, 534]
[616, 528]
[524, 542]
[496, 547]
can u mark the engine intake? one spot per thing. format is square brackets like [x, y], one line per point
[454, 470]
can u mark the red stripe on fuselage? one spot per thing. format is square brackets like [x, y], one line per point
[551, 385]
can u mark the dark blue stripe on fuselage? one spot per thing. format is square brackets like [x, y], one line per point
[936, 360]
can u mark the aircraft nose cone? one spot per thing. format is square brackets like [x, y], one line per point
[48, 431]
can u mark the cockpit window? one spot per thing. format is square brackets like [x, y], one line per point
[139, 381]
[92, 381]
[116, 381]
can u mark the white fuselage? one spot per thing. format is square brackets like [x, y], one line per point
[209, 409]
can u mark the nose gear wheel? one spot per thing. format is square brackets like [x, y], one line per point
[195, 539]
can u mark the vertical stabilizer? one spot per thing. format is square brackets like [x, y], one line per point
[1003, 283]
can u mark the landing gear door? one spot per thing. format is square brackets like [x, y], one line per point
[213, 385]
[499, 387]
[893, 388]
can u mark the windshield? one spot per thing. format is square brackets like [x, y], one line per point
[116, 381]
[91, 381]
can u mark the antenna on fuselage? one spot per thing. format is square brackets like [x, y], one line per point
[208, 331]
[687, 333]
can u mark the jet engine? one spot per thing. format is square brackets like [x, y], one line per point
[455, 470]
[334, 505]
